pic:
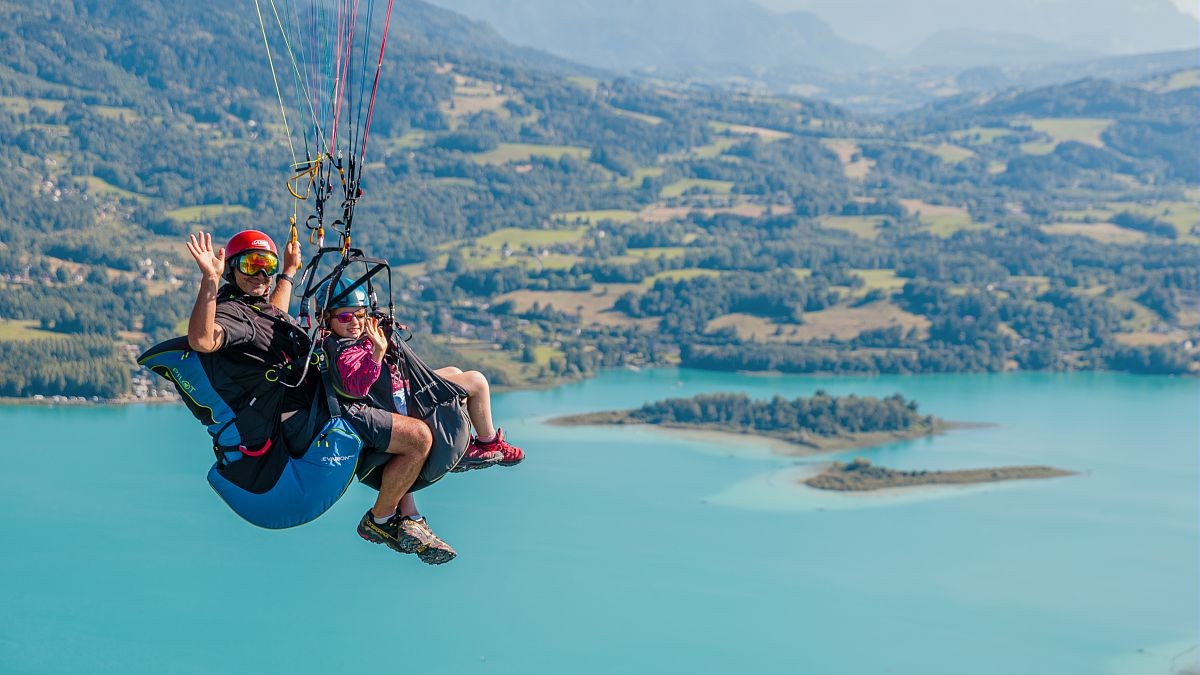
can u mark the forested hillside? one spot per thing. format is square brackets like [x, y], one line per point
[551, 221]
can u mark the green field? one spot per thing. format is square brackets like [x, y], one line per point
[981, 135]
[21, 105]
[452, 182]
[1062, 129]
[517, 238]
[522, 152]
[190, 214]
[100, 188]
[944, 225]
[639, 175]
[615, 215]
[863, 227]
[741, 129]
[16, 330]
[947, 152]
[655, 252]
[641, 117]
[716, 187]
[583, 82]
[678, 275]
[1183, 79]
[113, 112]
[1183, 215]
[881, 279]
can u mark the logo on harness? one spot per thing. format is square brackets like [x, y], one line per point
[335, 460]
[183, 384]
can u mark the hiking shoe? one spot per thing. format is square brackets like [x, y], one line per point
[414, 536]
[509, 454]
[477, 457]
[378, 533]
[407, 534]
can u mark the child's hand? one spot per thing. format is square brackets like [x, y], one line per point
[375, 334]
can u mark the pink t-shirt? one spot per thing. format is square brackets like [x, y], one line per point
[358, 371]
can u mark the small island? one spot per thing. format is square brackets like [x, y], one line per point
[862, 476]
[815, 424]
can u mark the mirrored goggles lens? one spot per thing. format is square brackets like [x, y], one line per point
[345, 317]
[258, 262]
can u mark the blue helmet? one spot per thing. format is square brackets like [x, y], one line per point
[355, 298]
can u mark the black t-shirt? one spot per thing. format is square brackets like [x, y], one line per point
[259, 334]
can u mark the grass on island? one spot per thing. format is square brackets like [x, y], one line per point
[20, 330]
[190, 214]
[863, 227]
[860, 476]
[523, 152]
[947, 152]
[679, 187]
[1062, 129]
[597, 216]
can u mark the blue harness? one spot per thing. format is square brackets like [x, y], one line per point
[307, 484]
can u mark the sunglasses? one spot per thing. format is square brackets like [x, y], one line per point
[345, 317]
[258, 262]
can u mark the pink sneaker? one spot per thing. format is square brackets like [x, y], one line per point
[482, 455]
[509, 454]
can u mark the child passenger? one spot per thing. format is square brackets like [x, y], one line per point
[360, 353]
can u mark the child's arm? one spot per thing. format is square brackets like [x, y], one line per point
[357, 369]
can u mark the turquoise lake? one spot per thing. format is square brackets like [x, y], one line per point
[631, 550]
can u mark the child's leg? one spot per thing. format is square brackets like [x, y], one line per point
[479, 399]
[408, 505]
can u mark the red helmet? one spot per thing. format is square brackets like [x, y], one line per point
[249, 240]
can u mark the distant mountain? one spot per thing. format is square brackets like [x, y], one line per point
[635, 34]
[968, 48]
[1107, 26]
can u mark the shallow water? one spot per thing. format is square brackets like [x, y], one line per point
[623, 549]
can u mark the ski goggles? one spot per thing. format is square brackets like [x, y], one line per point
[345, 317]
[257, 262]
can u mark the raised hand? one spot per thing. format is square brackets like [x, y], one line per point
[211, 264]
[291, 257]
[375, 334]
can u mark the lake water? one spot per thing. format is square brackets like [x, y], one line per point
[629, 550]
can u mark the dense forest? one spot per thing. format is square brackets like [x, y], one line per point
[549, 221]
[820, 414]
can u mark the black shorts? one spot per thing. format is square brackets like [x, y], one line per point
[373, 425]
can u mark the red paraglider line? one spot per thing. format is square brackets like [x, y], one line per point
[375, 87]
